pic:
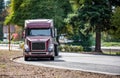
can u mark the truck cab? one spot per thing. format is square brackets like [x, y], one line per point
[40, 41]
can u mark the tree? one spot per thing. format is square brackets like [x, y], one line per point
[1, 5]
[20, 10]
[1, 18]
[1, 9]
[78, 33]
[92, 16]
[115, 30]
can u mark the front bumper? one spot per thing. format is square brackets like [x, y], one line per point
[39, 54]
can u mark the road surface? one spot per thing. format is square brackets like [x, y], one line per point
[84, 62]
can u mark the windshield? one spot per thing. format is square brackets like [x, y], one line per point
[39, 32]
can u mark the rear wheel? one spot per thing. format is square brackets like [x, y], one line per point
[56, 50]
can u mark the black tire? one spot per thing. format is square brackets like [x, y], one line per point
[52, 58]
[26, 58]
[56, 50]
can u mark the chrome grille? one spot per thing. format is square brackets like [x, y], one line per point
[38, 46]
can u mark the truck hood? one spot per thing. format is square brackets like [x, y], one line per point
[38, 38]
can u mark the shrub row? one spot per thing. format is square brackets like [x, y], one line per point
[67, 48]
[118, 53]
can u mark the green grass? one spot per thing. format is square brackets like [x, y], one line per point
[2, 66]
[108, 44]
[112, 53]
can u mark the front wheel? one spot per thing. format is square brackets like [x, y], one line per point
[26, 58]
[52, 58]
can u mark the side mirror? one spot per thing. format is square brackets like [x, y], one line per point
[55, 32]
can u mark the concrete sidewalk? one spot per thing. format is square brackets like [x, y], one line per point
[12, 47]
[109, 49]
[112, 47]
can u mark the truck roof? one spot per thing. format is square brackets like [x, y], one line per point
[39, 23]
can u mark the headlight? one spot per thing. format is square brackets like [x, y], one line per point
[51, 47]
[26, 47]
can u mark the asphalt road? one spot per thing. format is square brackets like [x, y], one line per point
[84, 62]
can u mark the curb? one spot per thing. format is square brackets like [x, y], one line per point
[61, 67]
[12, 59]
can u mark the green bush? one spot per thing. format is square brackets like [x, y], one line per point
[21, 45]
[67, 48]
[117, 53]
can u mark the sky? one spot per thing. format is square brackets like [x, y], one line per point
[6, 1]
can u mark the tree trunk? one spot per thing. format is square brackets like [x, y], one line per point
[98, 40]
[9, 36]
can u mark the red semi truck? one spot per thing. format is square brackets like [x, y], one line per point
[40, 39]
